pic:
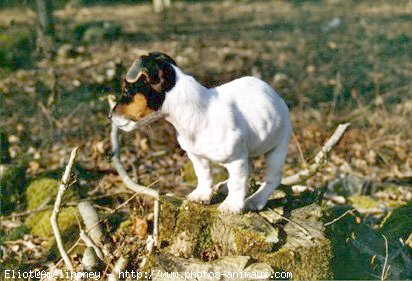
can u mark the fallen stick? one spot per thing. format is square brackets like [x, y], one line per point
[114, 138]
[319, 160]
[90, 243]
[56, 210]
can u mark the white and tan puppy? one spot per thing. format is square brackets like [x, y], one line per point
[228, 125]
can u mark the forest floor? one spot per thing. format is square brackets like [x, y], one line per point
[333, 61]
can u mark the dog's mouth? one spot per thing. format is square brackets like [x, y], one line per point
[129, 125]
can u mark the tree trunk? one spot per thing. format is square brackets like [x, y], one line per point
[45, 13]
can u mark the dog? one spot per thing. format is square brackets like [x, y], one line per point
[228, 124]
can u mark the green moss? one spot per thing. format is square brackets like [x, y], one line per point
[16, 45]
[169, 213]
[244, 234]
[363, 202]
[43, 191]
[11, 183]
[39, 223]
[305, 263]
[190, 230]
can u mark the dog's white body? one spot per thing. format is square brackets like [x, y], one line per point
[230, 124]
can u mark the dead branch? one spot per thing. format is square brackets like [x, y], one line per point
[140, 189]
[90, 243]
[385, 269]
[319, 160]
[56, 210]
[119, 266]
[340, 217]
[91, 221]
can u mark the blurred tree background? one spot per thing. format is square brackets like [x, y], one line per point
[333, 61]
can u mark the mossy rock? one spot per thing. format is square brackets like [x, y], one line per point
[228, 268]
[398, 223]
[39, 223]
[43, 191]
[11, 185]
[306, 252]
[359, 250]
[200, 232]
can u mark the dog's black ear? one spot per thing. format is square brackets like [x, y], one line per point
[155, 69]
[163, 57]
[135, 72]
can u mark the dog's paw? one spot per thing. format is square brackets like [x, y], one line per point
[202, 196]
[229, 208]
[221, 188]
[255, 203]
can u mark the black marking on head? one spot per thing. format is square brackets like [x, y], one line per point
[152, 76]
[154, 99]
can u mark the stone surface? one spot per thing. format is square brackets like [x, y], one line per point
[283, 237]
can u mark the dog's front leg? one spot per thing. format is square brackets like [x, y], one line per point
[203, 192]
[237, 186]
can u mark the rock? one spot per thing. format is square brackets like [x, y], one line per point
[11, 184]
[359, 250]
[398, 223]
[200, 233]
[226, 268]
[347, 185]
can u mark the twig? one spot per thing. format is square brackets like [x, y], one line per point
[340, 217]
[293, 222]
[385, 264]
[90, 243]
[119, 266]
[56, 210]
[319, 160]
[302, 158]
[129, 182]
[122, 172]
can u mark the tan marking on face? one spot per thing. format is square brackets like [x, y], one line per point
[136, 109]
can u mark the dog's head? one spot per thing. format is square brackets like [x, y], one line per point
[144, 91]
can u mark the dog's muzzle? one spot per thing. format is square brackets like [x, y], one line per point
[129, 125]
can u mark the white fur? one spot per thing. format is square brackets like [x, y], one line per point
[229, 124]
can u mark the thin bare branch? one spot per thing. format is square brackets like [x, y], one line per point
[385, 264]
[140, 189]
[340, 217]
[56, 210]
[319, 160]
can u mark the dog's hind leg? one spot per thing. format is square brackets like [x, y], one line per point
[221, 187]
[203, 192]
[275, 160]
